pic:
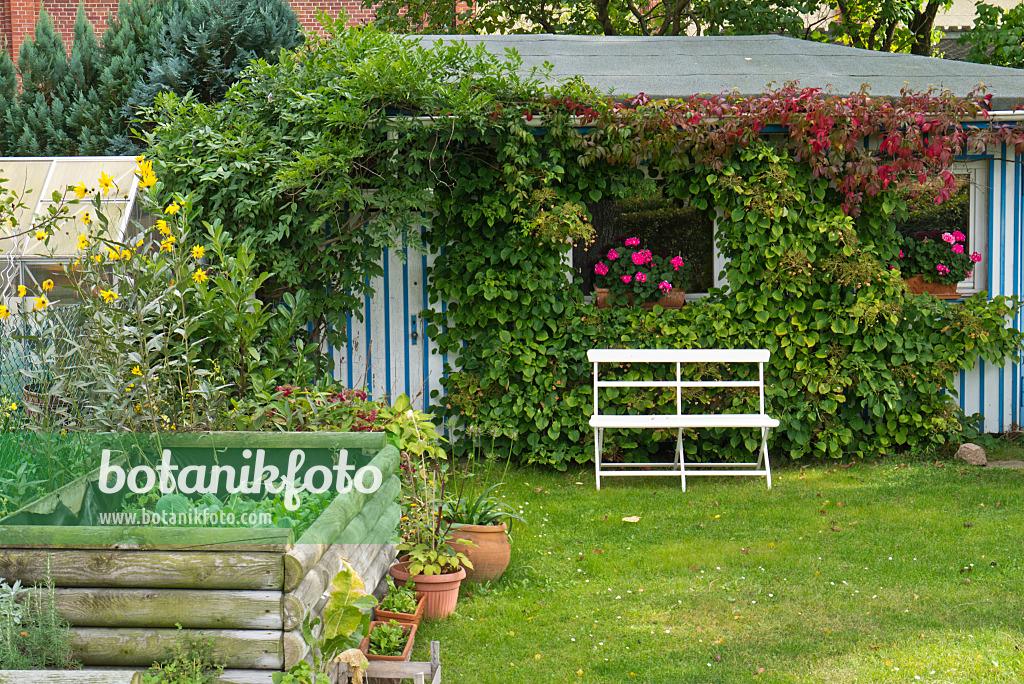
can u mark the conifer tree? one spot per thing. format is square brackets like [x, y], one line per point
[207, 45]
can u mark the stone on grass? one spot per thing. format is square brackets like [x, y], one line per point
[973, 454]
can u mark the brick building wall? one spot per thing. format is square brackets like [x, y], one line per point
[18, 17]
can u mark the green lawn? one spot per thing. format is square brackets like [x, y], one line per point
[895, 572]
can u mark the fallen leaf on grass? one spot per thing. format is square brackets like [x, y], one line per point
[632, 519]
[744, 551]
[760, 670]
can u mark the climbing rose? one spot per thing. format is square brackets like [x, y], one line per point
[641, 277]
[942, 269]
[665, 286]
[627, 279]
[948, 237]
[677, 261]
[975, 257]
[612, 255]
[958, 249]
[601, 269]
[958, 236]
[632, 242]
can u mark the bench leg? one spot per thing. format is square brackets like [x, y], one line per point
[680, 459]
[598, 436]
[763, 456]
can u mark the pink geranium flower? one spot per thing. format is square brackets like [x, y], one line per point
[665, 286]
[601, 269]
[901, 254]
[948, 237]
[632, 242]
[975, 257]
[641, 277]
[958, 236]
[958, 249]
[627, 279]
[942, 269]
[677, 262]
[612, 255]
[642, 257]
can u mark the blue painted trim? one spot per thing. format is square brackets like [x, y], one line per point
[348, 346]
[1002, 224]
[368, 342]
[991, 223]
[406, 340]
[1015, 392]
[426, 339]
[981, 394]
[386, 258]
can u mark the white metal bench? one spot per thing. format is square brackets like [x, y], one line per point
[679, 420]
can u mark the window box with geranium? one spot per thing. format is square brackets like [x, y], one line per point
[632, 274]
[934, 262]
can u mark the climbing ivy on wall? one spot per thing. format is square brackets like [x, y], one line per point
[364, 125]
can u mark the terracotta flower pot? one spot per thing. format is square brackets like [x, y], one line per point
[410, 631]
[917, 285]
[676, 299]
[441, 591]
[491, 554]
[403, 618]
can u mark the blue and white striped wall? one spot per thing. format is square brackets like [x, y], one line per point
[388, 352]
[996, 392]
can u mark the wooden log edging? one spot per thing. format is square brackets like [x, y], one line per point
[169, 607]
[154, 569]
[136, 647]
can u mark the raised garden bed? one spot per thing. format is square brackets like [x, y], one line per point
[125, 588]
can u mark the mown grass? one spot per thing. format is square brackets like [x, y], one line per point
[887, 572]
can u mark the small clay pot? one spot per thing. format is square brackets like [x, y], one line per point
[491, 554]
[441, 591]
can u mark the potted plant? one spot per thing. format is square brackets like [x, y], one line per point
[401, 604]
[389, 641]
[934, 261]
[426, 558]
[483, 521]
[631, 274]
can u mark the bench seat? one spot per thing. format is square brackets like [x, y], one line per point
[692, 420]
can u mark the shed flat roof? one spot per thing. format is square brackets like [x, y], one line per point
[681, 66]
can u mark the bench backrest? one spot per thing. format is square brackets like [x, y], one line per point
[679, 357]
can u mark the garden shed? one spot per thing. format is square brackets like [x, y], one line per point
[390, 349]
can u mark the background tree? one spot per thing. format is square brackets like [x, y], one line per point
[891, 25]
[997, 37]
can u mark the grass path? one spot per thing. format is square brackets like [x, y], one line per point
[873, 573]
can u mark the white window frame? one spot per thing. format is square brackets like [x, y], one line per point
[977, 173]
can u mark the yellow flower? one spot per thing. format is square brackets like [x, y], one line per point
[139, 243]
[13, 406]
[22, 291]
[86, 219]
[108, 295]
[130, 387]
[41, 303]
[136, 371]
[97, 258]
[147, 178]
[83, 242]
[4, 313]
[161, 225]
[47, 285]
[172, 208]
[41, 235]
[167, 244]
[198, 251]
[106, 182]
[80, 190]
[199, 276]
[127, 254]
[113, 253]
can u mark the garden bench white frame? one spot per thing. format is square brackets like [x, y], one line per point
[679, 420]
